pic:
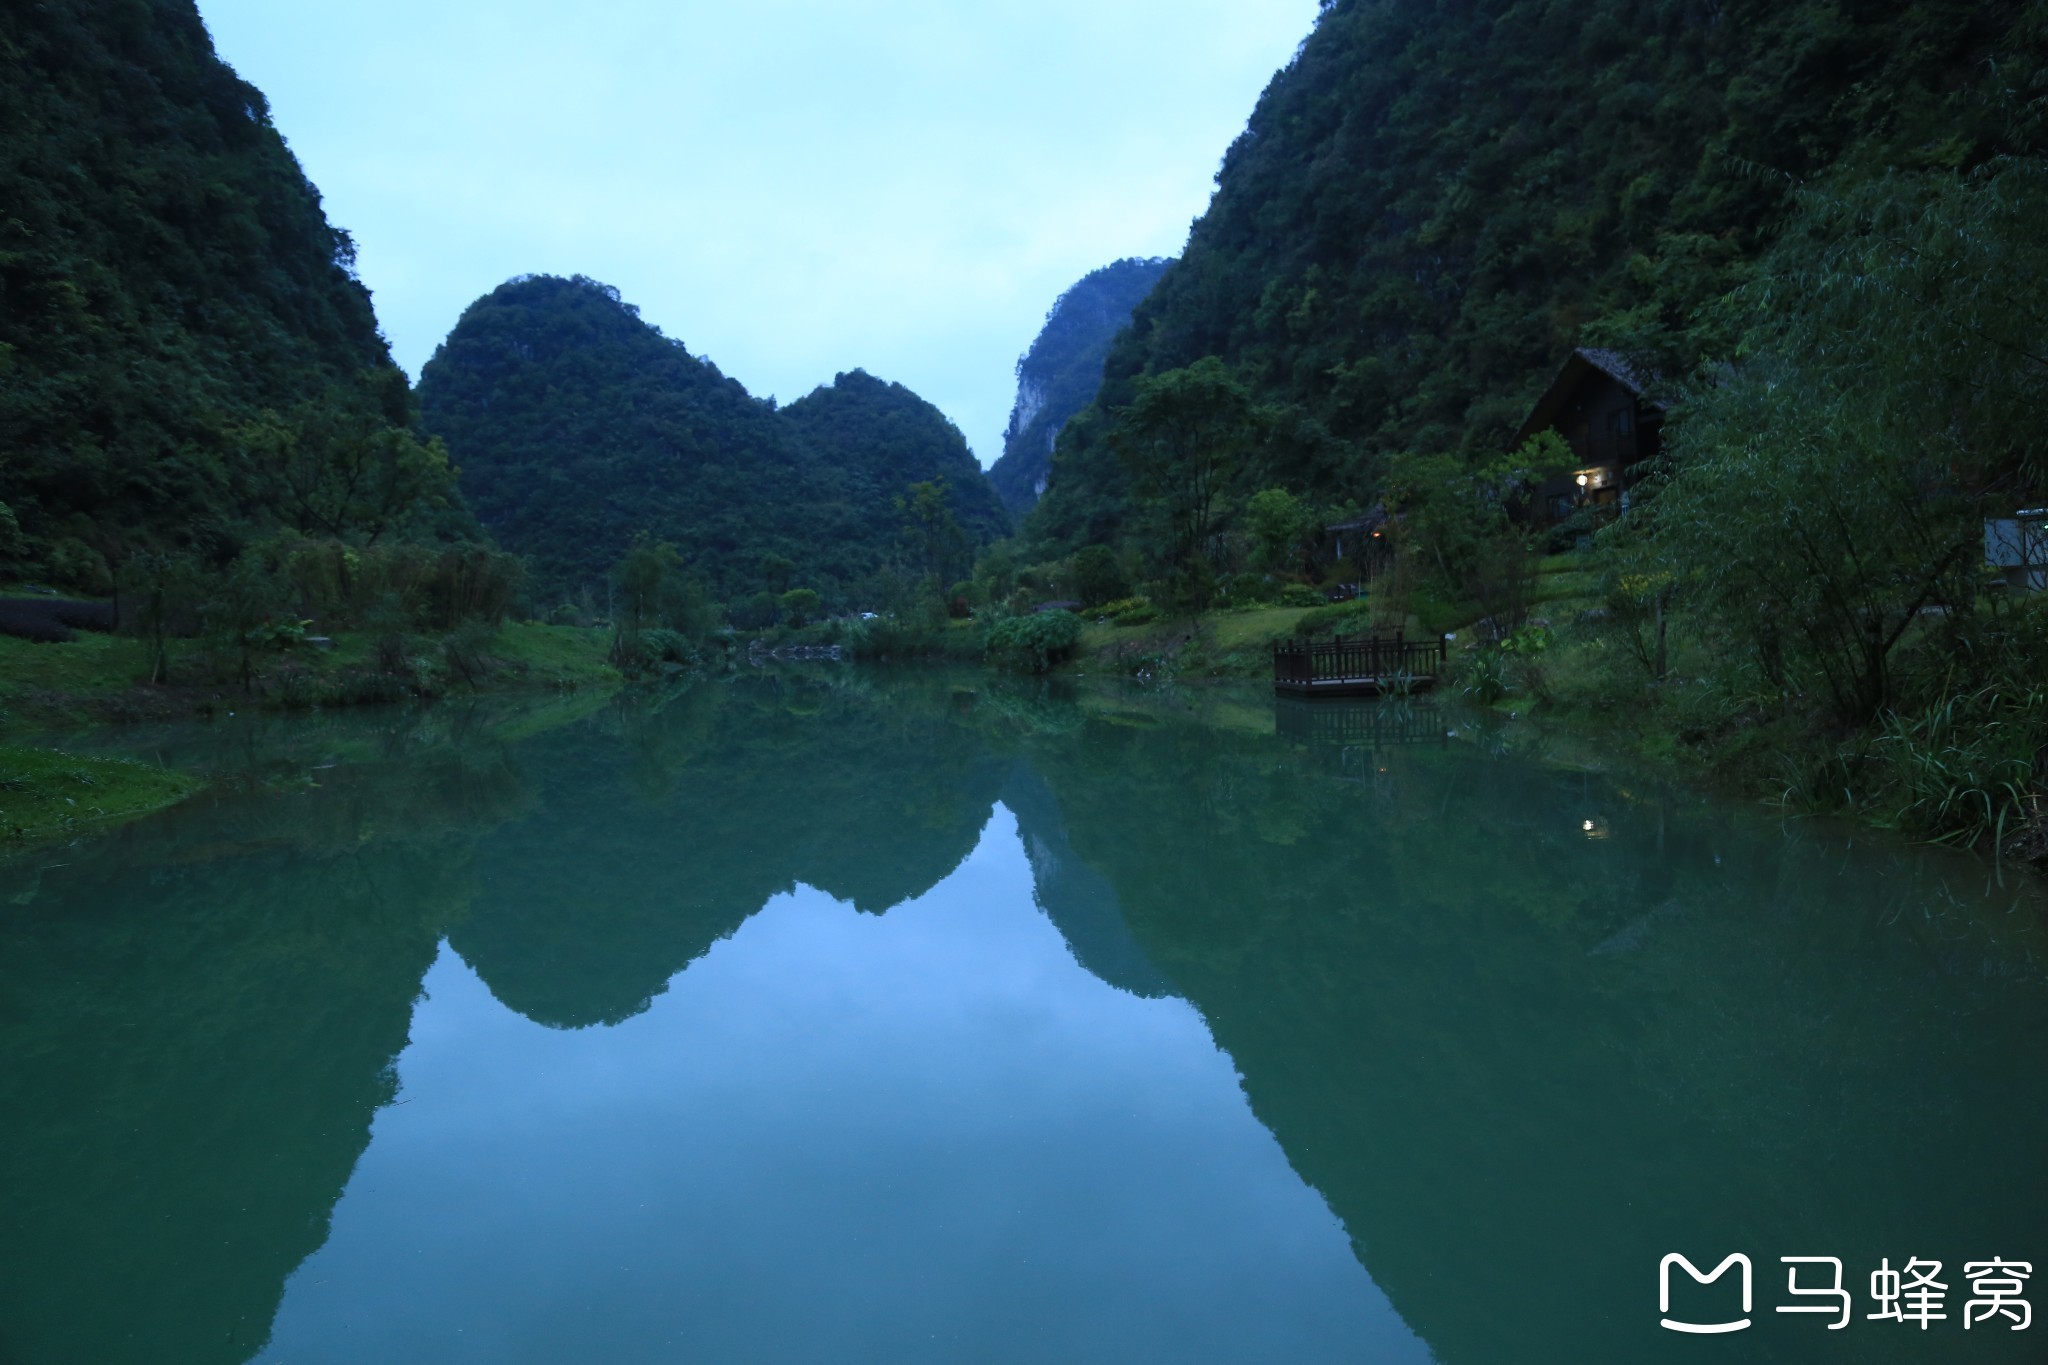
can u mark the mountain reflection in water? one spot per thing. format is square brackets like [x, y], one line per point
[842, 1016]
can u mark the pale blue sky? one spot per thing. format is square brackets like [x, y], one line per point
[791, 187]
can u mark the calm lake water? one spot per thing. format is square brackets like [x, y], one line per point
[844, 1017]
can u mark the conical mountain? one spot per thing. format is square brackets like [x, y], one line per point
[576, 424]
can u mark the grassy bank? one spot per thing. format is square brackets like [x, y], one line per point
[1943, 762]
[98, 679]
[47, 795]
[1224, 644]
[102, 678]
[1126, 639]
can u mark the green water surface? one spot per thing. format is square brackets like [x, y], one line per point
[837, 1016]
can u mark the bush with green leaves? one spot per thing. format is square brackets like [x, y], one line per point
[1097, 577]
[1034, 643]
[799, 605]
[1962, 772]
[1486, 675]
[1830, 490]
[651, 649]
[1300, 595]
[1338, 618]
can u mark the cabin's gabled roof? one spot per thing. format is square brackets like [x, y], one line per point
[1371, 520]
[1582, 362]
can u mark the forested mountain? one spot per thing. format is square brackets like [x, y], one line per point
[1061, 372]
[186, 358]
[576, 425]
[1433, 204]
[880, 438]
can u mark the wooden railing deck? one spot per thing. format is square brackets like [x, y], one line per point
[1363, 665]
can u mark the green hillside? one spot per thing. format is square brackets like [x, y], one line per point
[187, 361]
[1433, 204]
[577, 425]
[879, 438]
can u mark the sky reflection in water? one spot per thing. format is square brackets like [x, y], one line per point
[844, 1016]
[930, 1135]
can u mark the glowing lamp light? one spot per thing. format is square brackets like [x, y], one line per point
[1584, 479]
[1589, 827]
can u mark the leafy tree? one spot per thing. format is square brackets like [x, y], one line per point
[1278, 524]
[644, 577]
[756, 612]
[1180, 437]
[654, 593]
[995, 573]
[1456, 520]
[1034, 643]
[799, 605]
[1098, 578]
[932, 538]
[1831, 486]
[776, 571]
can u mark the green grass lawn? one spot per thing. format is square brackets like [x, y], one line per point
[556, 656]
[47, 795]
[1222, 644]
[99, 677]
[91, 663]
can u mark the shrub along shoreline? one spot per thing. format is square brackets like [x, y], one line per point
[1583, 658]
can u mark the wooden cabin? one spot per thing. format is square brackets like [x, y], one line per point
[1362, 542]
[1599, 405]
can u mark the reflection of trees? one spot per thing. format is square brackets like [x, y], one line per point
[1080, 903]
[1523, 1059]
[664, 834]
[198, 1018]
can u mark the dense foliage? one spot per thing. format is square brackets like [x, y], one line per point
[1033, 643]
[878, 439]
[577, 425]
[1819, 526]
[1062, 371]
[1433, 204]
[187, 362]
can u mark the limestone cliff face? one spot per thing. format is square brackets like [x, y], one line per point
[1059, 375]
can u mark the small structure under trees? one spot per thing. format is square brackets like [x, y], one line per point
[1598, 404]
[2017, 546]
[1363, 542]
